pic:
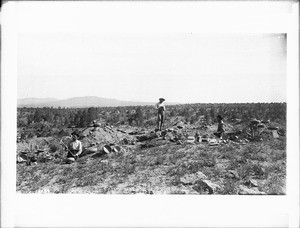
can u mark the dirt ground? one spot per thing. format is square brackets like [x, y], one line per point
[150, 162]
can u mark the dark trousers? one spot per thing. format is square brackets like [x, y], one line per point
[160, 119]
[218, 134]
[70, 155]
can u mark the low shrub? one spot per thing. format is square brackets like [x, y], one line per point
[229, 187]
[251, 169]
[274, 185]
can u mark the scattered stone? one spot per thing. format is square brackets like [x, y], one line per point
[190, 140]
[281, 132]
[251, 183]
[70, 160]
[104, 161]
[190, 179]
[22, 157]
[233, 174]
[163, 133]
[243, 190]
[254, 121]
[205, 186]
[275, 134]
[201, 175]
[273, 128]
[170, 129]
[204, 138]
[125, 141]
[213, 142]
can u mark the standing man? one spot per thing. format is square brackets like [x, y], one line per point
[74, 148]
[220, 130]
[160, 106]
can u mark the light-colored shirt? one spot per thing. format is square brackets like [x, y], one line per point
[77, 146]
[160, 106]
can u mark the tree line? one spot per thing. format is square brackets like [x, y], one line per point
[49, 119]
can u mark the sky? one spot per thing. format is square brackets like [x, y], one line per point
[181, 66]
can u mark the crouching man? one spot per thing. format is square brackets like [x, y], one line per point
[74, 148]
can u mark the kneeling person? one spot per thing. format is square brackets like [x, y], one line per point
[74, 148]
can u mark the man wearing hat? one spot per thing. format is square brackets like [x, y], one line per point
[253, 126]
[220, 130]
[160, 106]
[74, 147]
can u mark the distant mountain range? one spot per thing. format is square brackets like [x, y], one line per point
[79, 102]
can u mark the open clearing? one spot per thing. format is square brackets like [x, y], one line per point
[150, 162]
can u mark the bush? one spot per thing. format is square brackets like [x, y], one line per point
[251, 169]
[230, 187]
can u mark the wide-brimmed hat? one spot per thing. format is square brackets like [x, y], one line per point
[162, 99]
[75, 133]
[219, 117]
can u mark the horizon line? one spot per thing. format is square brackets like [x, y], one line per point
[205, 102]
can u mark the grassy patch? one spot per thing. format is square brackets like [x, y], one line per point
[229, 187]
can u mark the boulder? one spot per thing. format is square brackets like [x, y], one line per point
[233, 174]
[189, 179]
[205, 186]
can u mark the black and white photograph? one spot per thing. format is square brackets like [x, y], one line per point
[128, 99]
[152, 114]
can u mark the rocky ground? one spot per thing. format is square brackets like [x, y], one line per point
[142, 161]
